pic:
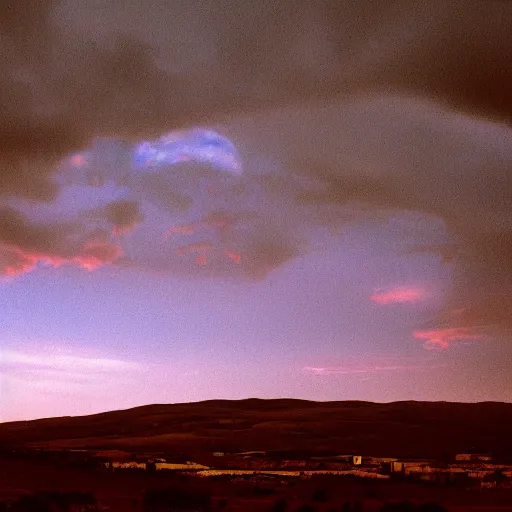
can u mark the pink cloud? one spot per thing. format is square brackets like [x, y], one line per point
[184, 229]
[78, 160]
[398, 295]
[235, 257]
[443, 338]
[201, 260]
[96, 253]
[15, 261]
[355, 369]
[218, 221]
[199, 247]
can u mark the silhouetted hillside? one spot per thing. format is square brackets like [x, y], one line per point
[416, 429]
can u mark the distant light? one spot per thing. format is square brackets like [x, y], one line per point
[198, 145]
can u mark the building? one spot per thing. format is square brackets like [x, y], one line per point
[128, 465]
[405, 467]
[473, 457]
[354, 460]
[189, 466]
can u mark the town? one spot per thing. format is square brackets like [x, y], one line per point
[254, 481]
[465, 469]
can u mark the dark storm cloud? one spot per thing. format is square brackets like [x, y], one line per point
[124, 215]
[466, 62]
[61, 86]
[332, 187]
[266, 253]
[65, 81]
[444, 176]
[23, 244]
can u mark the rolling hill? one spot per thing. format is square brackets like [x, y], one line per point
[284, 427]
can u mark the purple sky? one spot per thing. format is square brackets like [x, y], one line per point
[364, 250]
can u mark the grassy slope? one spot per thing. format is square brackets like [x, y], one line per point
[427, 429]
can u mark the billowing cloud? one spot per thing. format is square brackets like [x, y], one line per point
[72, 75]
[397, 295]
[204, 146]
[443, 338]
[24, 244]
[107, 75]
[124, 215]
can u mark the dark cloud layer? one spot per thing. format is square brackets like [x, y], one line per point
[60, 89]
[65, 81]
[124, 215]
[24, 244]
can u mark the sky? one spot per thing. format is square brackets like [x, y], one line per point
[307, 199]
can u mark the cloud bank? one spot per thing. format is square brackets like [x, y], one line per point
[351, 112]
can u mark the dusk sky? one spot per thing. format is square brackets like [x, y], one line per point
[307, 199]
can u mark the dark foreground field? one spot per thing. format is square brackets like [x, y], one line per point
[284, 429]
[401, 429]
[124, 491]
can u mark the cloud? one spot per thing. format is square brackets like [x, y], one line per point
[198, 247]
[219, 220]
[419, 158]
[72, 75]
[235, 257]
[24, 244]
[184, 229]
[397, 296]
[201, 259]
[264, 253]
[68, 362]
[443, 338]
[61, 373]
[46, 380]
[462, 63]
[75, 74]
[358, 369]
[124, 215]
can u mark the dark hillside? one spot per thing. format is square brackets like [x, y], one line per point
[415, 429]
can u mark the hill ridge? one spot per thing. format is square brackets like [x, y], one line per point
[402, 428]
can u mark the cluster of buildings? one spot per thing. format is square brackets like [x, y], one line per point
[153, 465]
[466, 468]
